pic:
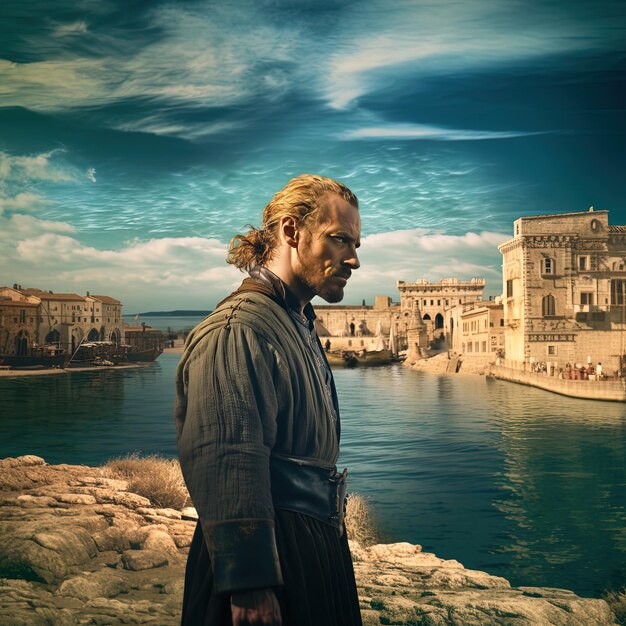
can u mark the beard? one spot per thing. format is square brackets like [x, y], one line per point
[315, 279]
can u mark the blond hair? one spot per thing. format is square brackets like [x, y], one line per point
[301, 198]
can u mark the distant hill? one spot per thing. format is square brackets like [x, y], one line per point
[172, 314]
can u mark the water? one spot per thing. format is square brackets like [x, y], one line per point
[504, 478]
[173, 323]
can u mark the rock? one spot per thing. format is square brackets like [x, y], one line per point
[189, 513]
[75, 498]
[160, 541]
[27, 501]
[102, 584]
[137, 560]
[81, 550]
[27, 460]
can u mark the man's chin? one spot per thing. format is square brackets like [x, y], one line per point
[332, 296]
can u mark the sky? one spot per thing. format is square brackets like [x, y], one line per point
[137, 137]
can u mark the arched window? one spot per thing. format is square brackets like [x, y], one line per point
[439, 321]
[53, 336]
[426, 317]
[548, 266]
[548, 307]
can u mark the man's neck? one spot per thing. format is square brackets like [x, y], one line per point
[299, 297]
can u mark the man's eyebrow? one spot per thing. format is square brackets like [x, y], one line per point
[342, 233]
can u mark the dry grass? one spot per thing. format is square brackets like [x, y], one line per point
[153, 477]
[617, 601]
[161, 481]
[360, 524]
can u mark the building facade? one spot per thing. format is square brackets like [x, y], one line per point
[432, 299]
[34, 317]
[477, 330]
[564, 290]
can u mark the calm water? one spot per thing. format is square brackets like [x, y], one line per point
[504, 478]
[174, 323]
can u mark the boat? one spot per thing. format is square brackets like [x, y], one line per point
[39, 357]
[373, 357]
[100, 353]
[144, 354]
[362, 358]
[341, 358]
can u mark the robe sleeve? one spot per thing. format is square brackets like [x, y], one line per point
[233, 380]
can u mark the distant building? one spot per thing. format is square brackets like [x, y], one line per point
[432, 299]
[477, 329]
[34, 317]
[564, 290]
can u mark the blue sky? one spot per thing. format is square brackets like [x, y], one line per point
[136, 138]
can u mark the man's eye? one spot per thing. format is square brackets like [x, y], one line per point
[339, 239]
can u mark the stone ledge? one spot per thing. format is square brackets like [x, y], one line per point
[121, 560]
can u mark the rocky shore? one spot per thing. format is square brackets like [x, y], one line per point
[77, 547]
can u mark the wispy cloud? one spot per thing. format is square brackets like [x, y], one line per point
[417, 131]
[446, 38]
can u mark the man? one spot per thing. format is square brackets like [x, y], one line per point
[258, 425]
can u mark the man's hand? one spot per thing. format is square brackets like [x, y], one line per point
[258, 607]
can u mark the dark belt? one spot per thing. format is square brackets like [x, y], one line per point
[319, 492]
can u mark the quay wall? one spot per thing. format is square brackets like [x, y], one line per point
[613, 390]
[337, 319]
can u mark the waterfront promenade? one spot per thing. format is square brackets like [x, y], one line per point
[610, 390]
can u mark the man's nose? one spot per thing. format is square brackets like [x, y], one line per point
[352, 260]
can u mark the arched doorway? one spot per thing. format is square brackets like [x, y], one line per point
[21, 343]
[53, 336]
[77, 337]
[439, 321]
[93, 335]
[115, 336]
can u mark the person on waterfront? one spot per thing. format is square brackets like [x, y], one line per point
[327, 345]
[258, 425]
[598, 371]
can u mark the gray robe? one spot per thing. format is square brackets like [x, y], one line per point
[248, 386]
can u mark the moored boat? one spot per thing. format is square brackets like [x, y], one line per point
[37, 357]
[145, 354]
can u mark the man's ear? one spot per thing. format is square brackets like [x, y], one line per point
[289, 231]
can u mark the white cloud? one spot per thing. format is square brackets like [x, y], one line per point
[418, 253]
[179, 271]
[22, 202]
[418, 131]
[32, 167]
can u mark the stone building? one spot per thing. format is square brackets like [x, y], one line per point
[62, 319]
[564, 290]
[432, 299]
[477, 330]
[18, 325]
